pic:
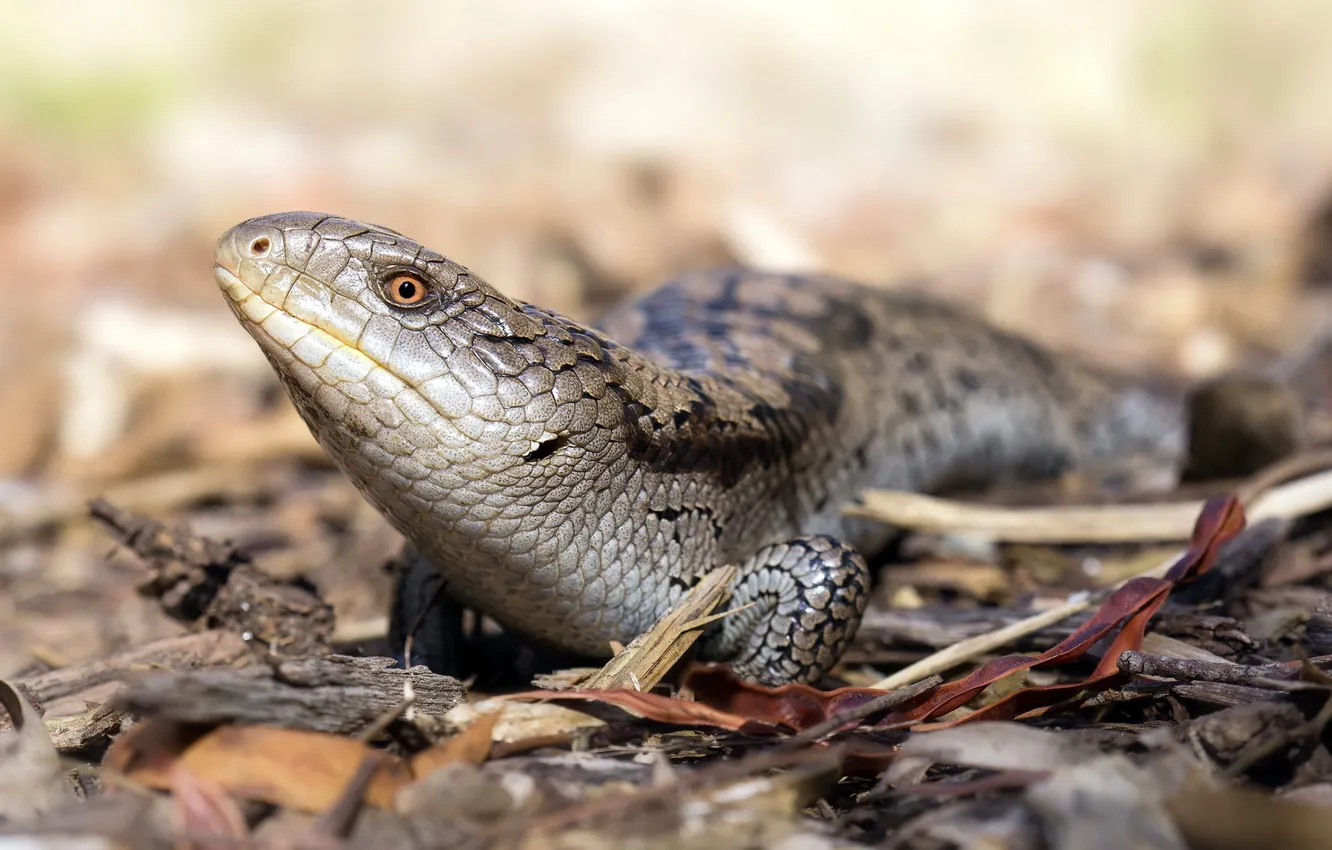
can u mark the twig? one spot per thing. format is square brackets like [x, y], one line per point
[338, 820]
[331, 693]
[1186, 670]
[946, 659]
[212, 648]
[860, 712]
[385, 720]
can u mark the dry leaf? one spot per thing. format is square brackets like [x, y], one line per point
[652, 654]
[471, 745]
[727, 702]
[996, 745]
[792, 706]
[306, 771]
[659, 707]
[1107, 803]
[518, 721]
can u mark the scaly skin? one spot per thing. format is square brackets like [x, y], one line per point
[573, 483]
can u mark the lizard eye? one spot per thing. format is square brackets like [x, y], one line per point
[406, 290]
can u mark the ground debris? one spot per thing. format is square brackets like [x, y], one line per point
[1155, 679]
[333, 693]
[93, 679]
[1105, 804]
[1155, 685]
[204, 582]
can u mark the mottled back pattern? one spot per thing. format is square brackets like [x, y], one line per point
[835, 387]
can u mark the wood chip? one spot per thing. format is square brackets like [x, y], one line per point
[653, 653]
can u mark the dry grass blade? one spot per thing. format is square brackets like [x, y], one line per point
[1264, 495]
[1291, 500]
[1265, 481]
[1065, 524]
[652, 654]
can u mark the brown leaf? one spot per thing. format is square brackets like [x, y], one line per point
[725, 701]
[306, 771]
[151, 747]
[471, 745]
[800, 706]
[793, 706]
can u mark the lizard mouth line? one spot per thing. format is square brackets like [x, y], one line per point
[230, 283]
[240, 295]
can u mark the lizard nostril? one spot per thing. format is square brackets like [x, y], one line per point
[259, 247]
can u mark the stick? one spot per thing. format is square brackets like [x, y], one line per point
[1104, 523]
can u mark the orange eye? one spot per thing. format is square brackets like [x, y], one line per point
[406, 290]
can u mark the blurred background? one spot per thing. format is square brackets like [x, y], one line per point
[1145, 182]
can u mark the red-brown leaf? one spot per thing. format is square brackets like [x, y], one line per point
[306, 771]
[658, 707]
[1135, 603]
[793, 706]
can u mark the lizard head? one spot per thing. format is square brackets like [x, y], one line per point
[410, 371]
[307, 285]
